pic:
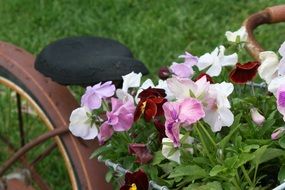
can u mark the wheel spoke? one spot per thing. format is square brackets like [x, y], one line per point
[37, 178]
[44, 154]
[20, 120]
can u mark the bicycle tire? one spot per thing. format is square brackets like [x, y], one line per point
[54, 103]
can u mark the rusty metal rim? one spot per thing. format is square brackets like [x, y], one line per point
[47, 122]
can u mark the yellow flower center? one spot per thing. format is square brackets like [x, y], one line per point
[133, 187]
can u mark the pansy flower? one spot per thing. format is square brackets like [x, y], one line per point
[181, 113]
[173, 153]
[81, 125]
[217, 110]
[135, 181]
[141, 152]
[280, 98]
[268, 70]
[215, 60]
[184, 70]
[94, 95]
[240, 33]
[119, 119]
[150, 104]
[244, 72]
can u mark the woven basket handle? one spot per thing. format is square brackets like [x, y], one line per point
[268, 16]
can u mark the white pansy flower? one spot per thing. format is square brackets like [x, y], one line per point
[167, 147]
[217, 112]
[268, 70]
[275, 84]
[216, 60]
[221, 91]
[131, 80]
[232, 36]
[163, 85]
[80, 124]
[146, 84]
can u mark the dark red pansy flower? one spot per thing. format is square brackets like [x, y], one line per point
[160, 128]
[208, 77]
[135, 181]
[150, 104]
[142, 153]
[152, 93]
[164, 73]
[244, 72]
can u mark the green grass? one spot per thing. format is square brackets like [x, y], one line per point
[156, 31]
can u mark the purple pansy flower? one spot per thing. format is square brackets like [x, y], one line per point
[119, 119]
[94, 95]
[281, 100]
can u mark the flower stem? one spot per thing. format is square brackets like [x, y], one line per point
[204, 145]
[208, 135]
[246, 176]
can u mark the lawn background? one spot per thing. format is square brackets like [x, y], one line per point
[156, 31]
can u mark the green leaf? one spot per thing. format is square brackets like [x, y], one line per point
[271, 153]
[258, 154]
[193, 171]
[231, 161]
[248, 148]
[100, 150]
[215, 185]
[244, 158]
[281, 174]
[281, 142]
[234, 128]
[109, 176]
[157, 158]
[265, 154]
[216, 170]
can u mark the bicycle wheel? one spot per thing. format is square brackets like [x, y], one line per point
[35, 105]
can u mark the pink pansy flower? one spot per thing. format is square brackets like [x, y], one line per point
[257, 118]
[184, 112]
[184, 70]
[181, 70]
[94, 95]
[183, 88]
[280, 98]
[119, 119]
[189, 59]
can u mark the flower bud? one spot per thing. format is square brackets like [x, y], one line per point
[257, 118]
[141, 152]
[164, 73]
[277, 133]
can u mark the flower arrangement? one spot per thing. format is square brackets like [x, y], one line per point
[209, 122]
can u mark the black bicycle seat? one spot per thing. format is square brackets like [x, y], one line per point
[86, 61]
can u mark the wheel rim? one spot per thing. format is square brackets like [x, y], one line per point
[23, 137]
